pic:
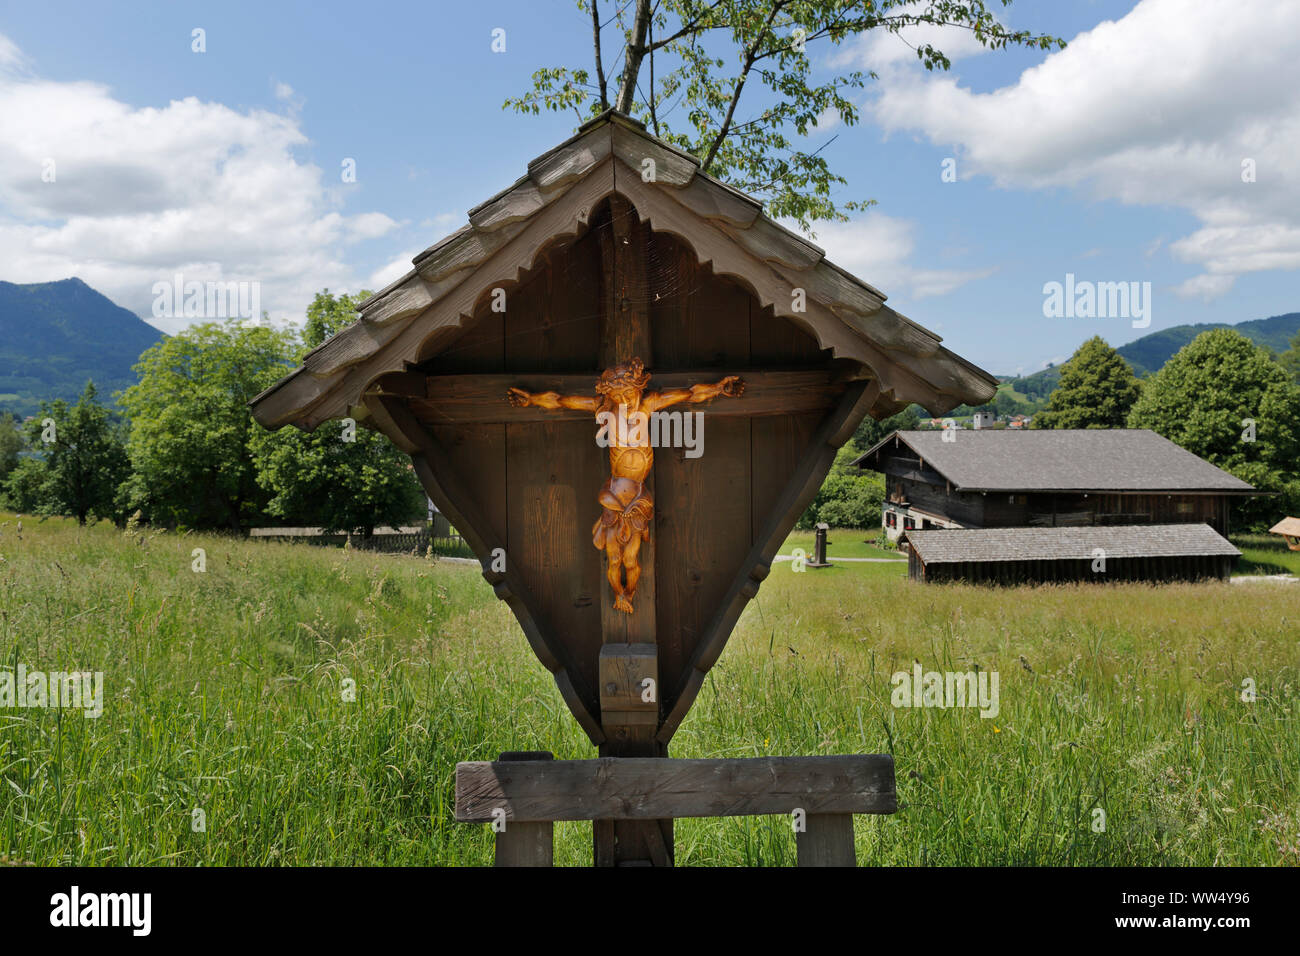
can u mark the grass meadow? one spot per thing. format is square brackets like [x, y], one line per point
[224, 692]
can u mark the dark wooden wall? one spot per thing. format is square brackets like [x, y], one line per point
[1048, 509]
[963, 507]
[708, 509]
[1154, 569]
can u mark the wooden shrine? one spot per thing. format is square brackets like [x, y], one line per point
[616, 278]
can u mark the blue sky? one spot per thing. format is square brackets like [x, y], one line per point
[1118, 159]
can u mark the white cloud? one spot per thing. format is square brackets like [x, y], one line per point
[827, 120]
[1160, 107]
[1206, 287]
[11, 58]
[878, 49]
[140, 194]
[878, 248]
[392, 271]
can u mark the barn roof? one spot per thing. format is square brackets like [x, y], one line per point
[955, 546]
[1068, 459]
[418, 315]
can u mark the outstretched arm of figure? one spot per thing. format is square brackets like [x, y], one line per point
[731, 387]
[522, 399]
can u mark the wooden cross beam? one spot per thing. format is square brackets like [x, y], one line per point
[480, 399]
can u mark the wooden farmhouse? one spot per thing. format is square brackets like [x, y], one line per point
[616, 267]
[1037, 488]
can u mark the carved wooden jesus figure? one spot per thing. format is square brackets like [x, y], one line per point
[628, 507]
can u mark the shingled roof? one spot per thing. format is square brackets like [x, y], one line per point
[1082, 460]
[411, 319]
[957, 546]
[1287, 526]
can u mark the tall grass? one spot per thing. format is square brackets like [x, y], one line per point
[225, 692]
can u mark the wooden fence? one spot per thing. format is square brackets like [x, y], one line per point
[441, 536]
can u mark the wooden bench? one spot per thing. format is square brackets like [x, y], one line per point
[524, 793]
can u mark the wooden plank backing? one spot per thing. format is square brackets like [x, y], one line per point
[634, 788]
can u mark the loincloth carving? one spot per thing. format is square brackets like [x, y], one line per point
[621, 522]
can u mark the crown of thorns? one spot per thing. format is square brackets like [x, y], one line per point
[632, 375]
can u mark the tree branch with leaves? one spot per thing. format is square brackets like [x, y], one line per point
[723, 52]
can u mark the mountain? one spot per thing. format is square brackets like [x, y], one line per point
[56, 335]
[1150, 352]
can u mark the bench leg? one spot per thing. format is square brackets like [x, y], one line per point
[827, 840]
[526, 844]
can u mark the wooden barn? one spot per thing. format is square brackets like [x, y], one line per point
[1046, 478]
[1165, 552]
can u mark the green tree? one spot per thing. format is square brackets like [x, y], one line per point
[691, 96]
[1290, 359]
[871, 431]
[80, 461]
[847, 501]
[1097, 390]
[190, 424]
[340, 477]
[849, 497]
[1224, 398]
[24, 488]
[11, 445]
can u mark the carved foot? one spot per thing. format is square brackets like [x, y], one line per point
[622, 604]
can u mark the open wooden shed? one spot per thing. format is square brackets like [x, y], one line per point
[1289, 529]
[615, 246]
[1011, 556]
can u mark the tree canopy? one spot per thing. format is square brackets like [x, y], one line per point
[1290, 359]
[191, 427]
[341, 477]
[1097, 390]
[79, 462]
[1223, 398]
[685, 65]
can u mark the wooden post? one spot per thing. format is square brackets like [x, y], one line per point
[624, 335]
[819, 547]
[526, 844]
[827, 840]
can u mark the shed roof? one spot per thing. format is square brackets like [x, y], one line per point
[417, 316]
[1068, 459]
[1058, 544]
[1289, 526]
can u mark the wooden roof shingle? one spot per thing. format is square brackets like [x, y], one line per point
[960, 545]
[1290, 526]
[406, 322]
[1069, 459]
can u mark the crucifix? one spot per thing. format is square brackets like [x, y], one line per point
[628, 506]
